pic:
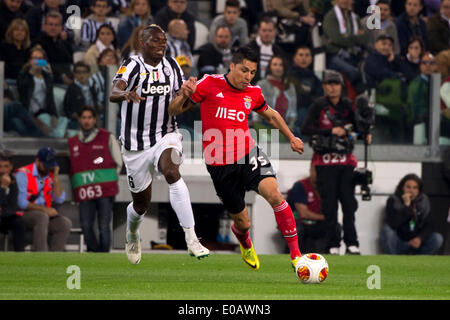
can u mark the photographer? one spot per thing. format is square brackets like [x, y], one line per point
[10, 219]
[328, 121]
[39, 187]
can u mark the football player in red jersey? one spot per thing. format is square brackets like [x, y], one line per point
[236, 164]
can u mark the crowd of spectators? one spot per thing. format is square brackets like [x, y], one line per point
[373, 44]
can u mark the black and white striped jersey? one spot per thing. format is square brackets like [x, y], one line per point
[144, 123]
[89, 31]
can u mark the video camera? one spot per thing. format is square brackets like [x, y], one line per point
[364, 120]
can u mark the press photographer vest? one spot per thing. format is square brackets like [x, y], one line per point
[326, 122]
[32, 186]
[92, 168]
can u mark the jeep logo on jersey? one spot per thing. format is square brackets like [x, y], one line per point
[230, 114]
[156, 89]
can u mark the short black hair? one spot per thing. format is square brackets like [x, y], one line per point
[81, 64]
[233, 3]
[386, 2]
[87, 108]
[245, 53]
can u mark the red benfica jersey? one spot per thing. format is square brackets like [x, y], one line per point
[224, 112]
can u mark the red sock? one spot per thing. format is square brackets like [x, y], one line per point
[243, 237]
[286, 223]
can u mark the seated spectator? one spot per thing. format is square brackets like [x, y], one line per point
[279, 92]
[295, 18]
[35, 86]
[39, 190]
[410, 24]
[215, 57]
[9, 11]
[107, 58]
[438, 29]
[81, 92]
[382, 63]
[177, 36]
[36, 15]
[105, 39]
[304, 200]
[133, 46]
[16, 118]
[58, 49]
[177, 9]
[231, 18]
[306, 83]
[410, 64]
[93, 22]
[14, 50]
[408, 226]
[345, 40]
[443, 63]
[387, 26]
[139, 15]
[10, 217]
[418, 92]
[265, 45]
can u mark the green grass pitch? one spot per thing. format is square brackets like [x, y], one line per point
[25, 276]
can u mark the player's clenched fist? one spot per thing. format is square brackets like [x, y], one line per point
[189, 86]
[297, 145]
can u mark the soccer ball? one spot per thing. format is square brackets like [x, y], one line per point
[312, 268]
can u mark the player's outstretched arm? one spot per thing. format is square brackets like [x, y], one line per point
[277, 121]
[181, 102]
[119, 94]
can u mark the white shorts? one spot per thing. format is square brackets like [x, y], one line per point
[142, 164]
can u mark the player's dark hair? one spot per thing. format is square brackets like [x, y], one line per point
[147, 32]
[89, 109]
[245, 53]
[401, 184]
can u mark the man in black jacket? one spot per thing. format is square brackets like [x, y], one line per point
[10, 218]
[58, 49]
[408, 227]
[215, 57]
[177, 9]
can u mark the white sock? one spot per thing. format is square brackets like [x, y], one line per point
[133, 219]
[181, 203]
[189, 234]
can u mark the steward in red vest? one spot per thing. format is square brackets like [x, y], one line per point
[93, 169]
